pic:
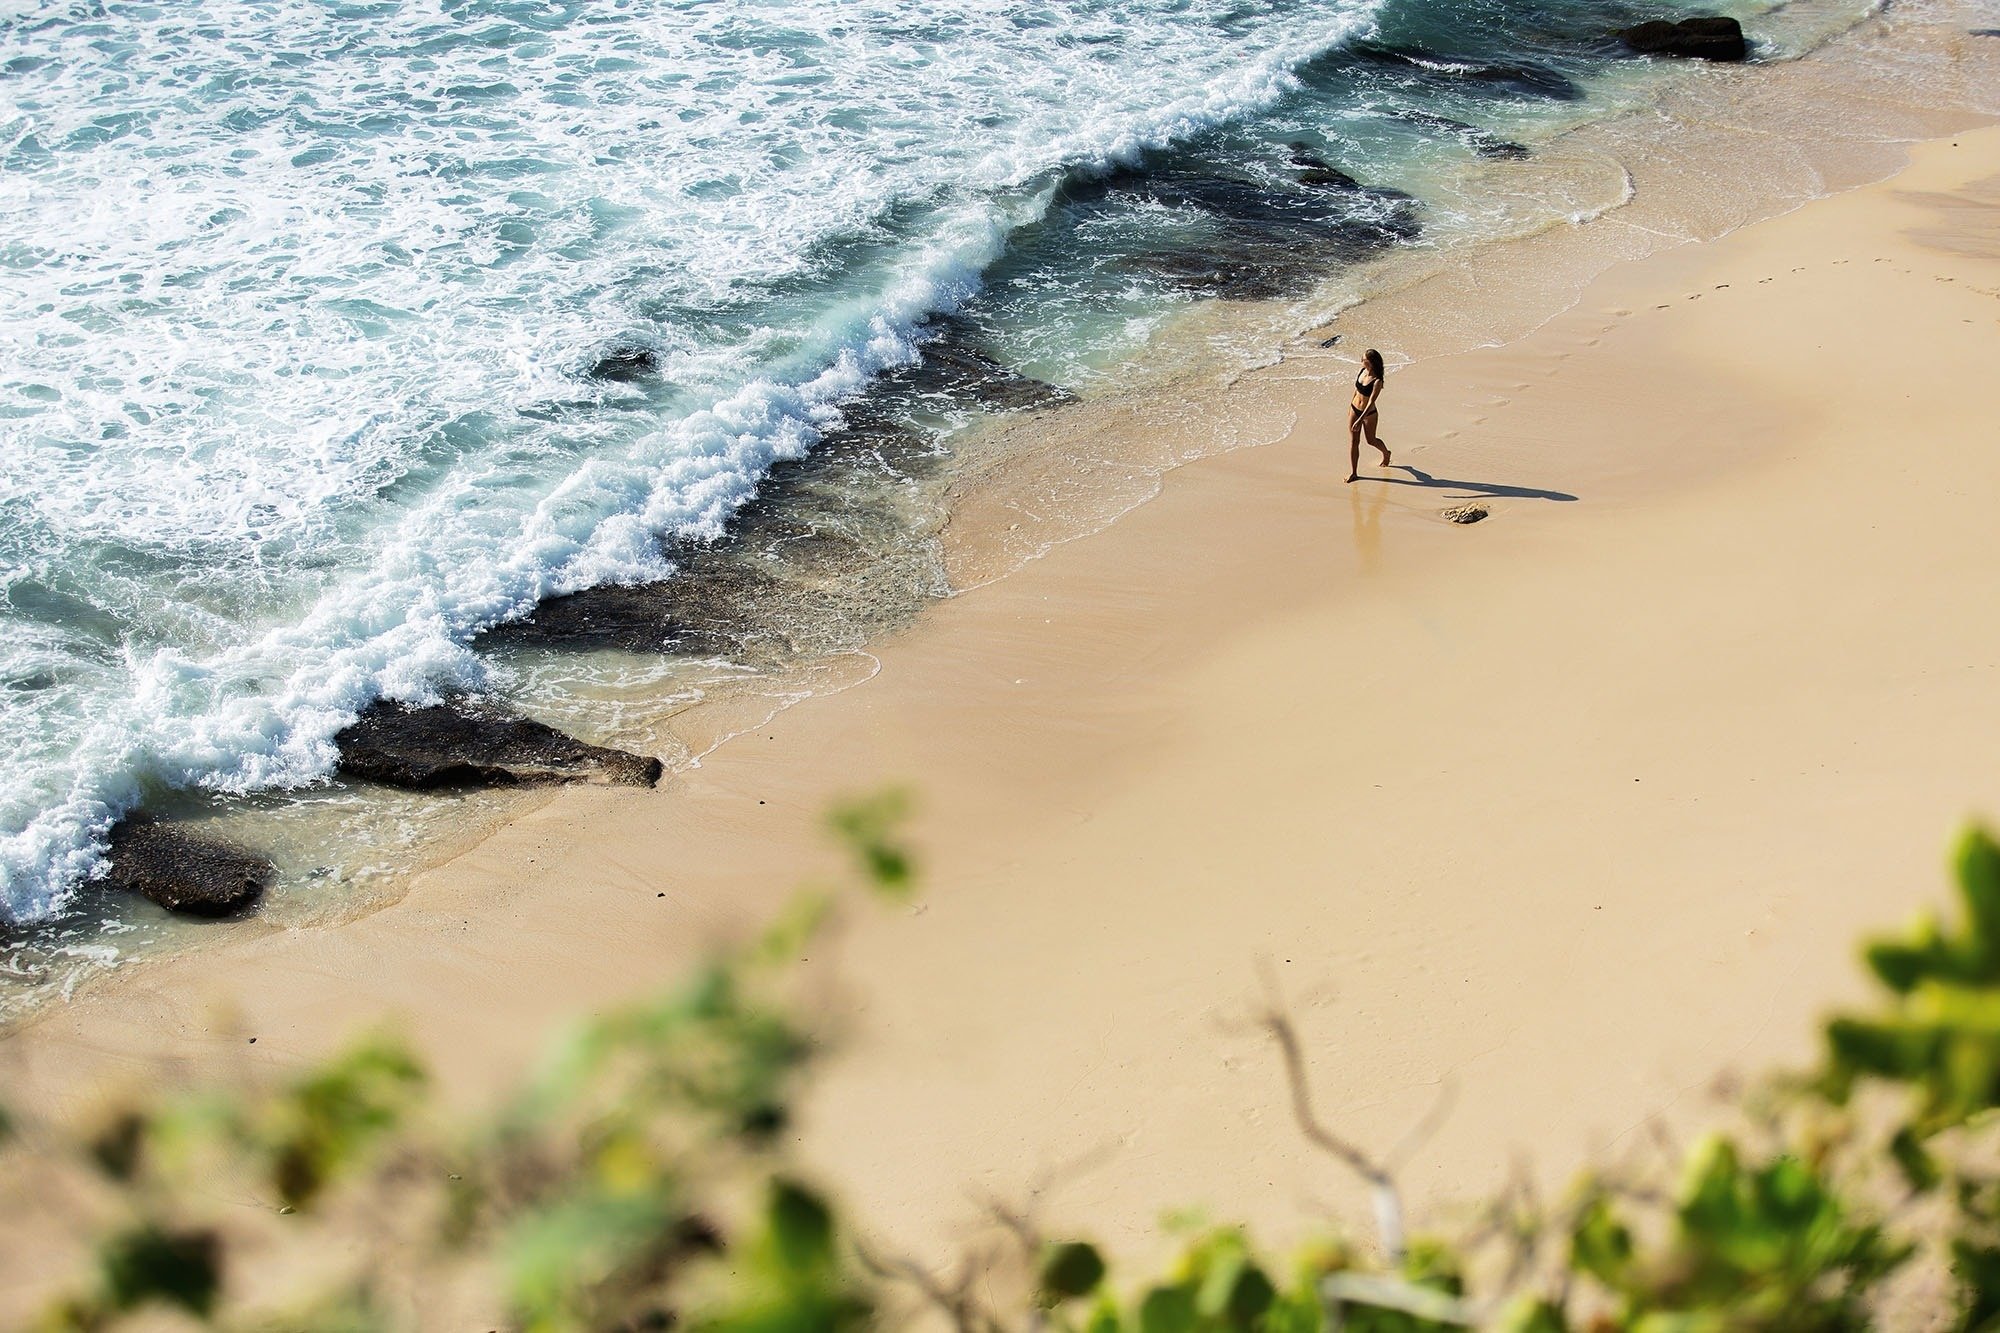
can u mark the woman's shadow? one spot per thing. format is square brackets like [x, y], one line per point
[1419, 477]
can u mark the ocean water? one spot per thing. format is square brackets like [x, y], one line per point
[301, 301]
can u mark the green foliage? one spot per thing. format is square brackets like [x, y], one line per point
[146, 1264]
[1217, 1286]
[1069, 1270]
[118, 1146]
[1939, 1036]
[870, 828]
[641, 1182]
[791, 1278]
[1764, 1245]
[317, 1127]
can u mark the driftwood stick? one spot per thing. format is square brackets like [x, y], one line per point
[1381, 1183]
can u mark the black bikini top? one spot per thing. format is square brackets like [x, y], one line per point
[1361, 388]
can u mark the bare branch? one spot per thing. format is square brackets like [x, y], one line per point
[1382, 1186]
[953, 1299]
[1421, 1133]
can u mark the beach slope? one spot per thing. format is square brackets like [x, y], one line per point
[1561, 814]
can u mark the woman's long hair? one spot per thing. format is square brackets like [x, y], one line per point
[1373, 360]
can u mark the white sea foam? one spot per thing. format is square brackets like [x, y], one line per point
[296, 296]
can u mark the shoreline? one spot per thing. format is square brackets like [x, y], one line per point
[1058, 469]
[1088, 721]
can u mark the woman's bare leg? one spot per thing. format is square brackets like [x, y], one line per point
[1353, 448]
[1368, 424]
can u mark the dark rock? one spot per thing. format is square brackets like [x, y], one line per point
[184, 872]
[1328, 178]
[1478, 140]
[1470, 512]
[783, 578]
[1272, 242]
[624, 364]
[1250, 238]
[1520, 78]
[1206, 273]
[1711, 38]
[1316, 171]
[954, 366]
[684, 614]
[443, 746]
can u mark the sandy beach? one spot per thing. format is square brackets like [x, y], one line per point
[1563, 814]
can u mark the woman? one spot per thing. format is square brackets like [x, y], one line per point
[1361, 412]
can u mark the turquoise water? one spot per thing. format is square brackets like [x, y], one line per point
[303, 301]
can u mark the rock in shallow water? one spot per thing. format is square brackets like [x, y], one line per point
[633, 618]
[624, 364]
[183, 872]
[953, 365]
[1518, 79]
[1270, 243]
[424, 749]
[1478, 140]
[1710, 38]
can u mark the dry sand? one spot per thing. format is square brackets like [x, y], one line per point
[1570, 810]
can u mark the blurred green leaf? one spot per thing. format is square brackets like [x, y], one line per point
[1919, 1168]
[1167, 1310]
[1600, 1245]
[117, 1147]
[801, 1225]
[149, 1263]
[1246, 1296]
[871, 827]
[558, 1255]
[1977, 862]
[1070, 1269]
[1532, 1314]
[319, 1125]
[1977, 1267]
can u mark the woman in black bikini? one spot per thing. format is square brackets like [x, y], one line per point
[1361, 412]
